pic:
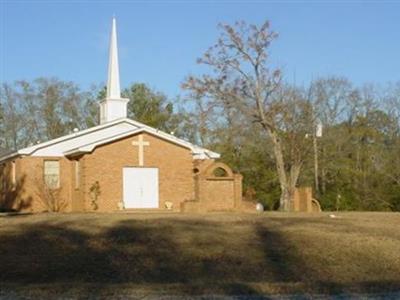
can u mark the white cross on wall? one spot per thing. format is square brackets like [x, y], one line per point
[140, 143]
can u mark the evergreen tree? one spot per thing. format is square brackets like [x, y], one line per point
[149, 107]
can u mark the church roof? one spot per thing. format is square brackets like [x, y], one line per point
[86, 141]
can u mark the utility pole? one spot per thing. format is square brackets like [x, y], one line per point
[317, 134]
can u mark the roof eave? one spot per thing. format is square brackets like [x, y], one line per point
[32, 149]
[9, 156]
[204, 153]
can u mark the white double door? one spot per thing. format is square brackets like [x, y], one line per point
[140, 187]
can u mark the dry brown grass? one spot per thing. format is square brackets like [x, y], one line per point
[80, 255]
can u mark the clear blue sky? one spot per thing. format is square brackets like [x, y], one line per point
[160, 40]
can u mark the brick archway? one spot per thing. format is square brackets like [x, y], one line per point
[214, 191]
[210, 170]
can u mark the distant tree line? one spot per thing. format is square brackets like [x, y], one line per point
[264, 127]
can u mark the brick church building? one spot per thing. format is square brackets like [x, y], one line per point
[118, 165]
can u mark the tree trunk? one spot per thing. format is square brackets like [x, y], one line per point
[287, 182]
[285, 200]
[287, 196]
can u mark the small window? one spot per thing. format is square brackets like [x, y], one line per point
[52, 174]
[77, 174]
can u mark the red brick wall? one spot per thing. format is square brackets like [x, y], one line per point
[29, 192]
[218, 194]
[106, 163]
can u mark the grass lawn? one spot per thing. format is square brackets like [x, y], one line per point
[137, 255]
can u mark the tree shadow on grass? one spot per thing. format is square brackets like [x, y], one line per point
[131, 252]
[164, 252]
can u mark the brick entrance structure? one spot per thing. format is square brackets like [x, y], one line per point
[217, 188]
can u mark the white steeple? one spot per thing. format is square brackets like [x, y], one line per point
[113, 106]
[113, 89]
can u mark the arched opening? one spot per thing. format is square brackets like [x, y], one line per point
[315, 206]
[220, 172]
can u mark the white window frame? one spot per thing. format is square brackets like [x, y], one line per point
[45, 175]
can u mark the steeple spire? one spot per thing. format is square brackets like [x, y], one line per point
[113, 106]
[113, 88]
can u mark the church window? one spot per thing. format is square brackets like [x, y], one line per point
[52, 174]
[77, 174]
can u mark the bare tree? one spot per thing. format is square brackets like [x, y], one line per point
[51, 198]
[12, 120]
[329, 98]
[242, 80]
